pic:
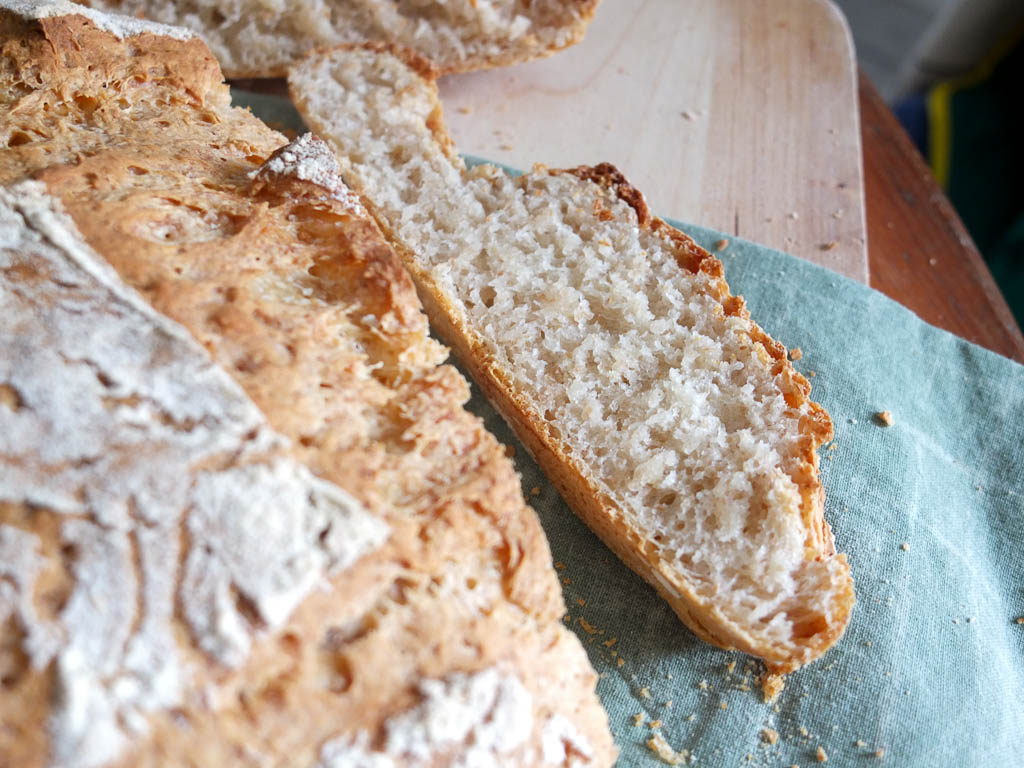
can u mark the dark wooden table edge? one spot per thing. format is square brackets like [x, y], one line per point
[919, 252]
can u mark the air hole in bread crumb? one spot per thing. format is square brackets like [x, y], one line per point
[137, 170]
[488, 295]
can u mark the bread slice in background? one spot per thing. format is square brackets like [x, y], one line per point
[155, 208]
[669, 421]
[254, 39]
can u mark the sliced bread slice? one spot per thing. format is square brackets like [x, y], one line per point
[670, 422]
[259, 39]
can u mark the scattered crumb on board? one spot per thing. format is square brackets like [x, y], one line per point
[884, 418]
[831, 245]
[661, 748]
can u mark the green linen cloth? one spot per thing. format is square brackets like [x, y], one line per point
[930, 512]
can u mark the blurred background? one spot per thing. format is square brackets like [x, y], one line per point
[953, 72]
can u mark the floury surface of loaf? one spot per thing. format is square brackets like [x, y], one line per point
[259, 39]
[669, 420]
[440, 645]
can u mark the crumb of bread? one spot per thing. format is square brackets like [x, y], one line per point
[567, 581]
[703, 685]
[587, 626]
[837, 214]
[688, 115]
[724, 705]
[655, 724]
[796, 353]
[905, 546]
[668, 704]
[832, 446]
[464, 110]
[510, 451]
[804, 732]
[812, 374]
[884, 418]
[610, 643]
[721, 245]
[620, 662]
[661, 748]
[860, 743]
[793, 215]
[879, 753]
[560, 566]
[831, 245]
[1019, 620]
[506, 147]
[730, 667]
[770, 735]
[645, 693]
[821, 755]
[743, 687]
[638, 719]
[771, 686]
[580, 602]
[535, 491]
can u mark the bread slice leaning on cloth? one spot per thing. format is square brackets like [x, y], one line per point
[258, 39]
[670, 422]
[244, 518]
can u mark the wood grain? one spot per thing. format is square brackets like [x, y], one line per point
[921, 254]
[739, 115]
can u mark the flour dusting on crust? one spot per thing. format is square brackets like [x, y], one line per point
[147, 454]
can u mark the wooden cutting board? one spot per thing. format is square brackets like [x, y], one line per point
[739, 115]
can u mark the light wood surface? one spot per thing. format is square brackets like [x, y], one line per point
[739, 115]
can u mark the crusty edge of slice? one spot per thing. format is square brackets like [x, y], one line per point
[594, 507]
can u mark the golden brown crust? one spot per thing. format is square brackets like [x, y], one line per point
[301, 300]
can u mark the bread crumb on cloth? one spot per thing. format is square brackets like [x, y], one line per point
[905, 546]
[796, 353]
[771, 686]
[821, 755]
[769, 735]
[721, 245]
[884, 418]
[664, 751]
[638, 719]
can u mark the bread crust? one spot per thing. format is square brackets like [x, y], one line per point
[813, 633]
[292, 289]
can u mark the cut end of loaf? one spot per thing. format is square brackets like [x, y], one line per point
[672, 423]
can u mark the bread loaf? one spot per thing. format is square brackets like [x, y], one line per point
[254, 39]
[244, 519]
[672, 424]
